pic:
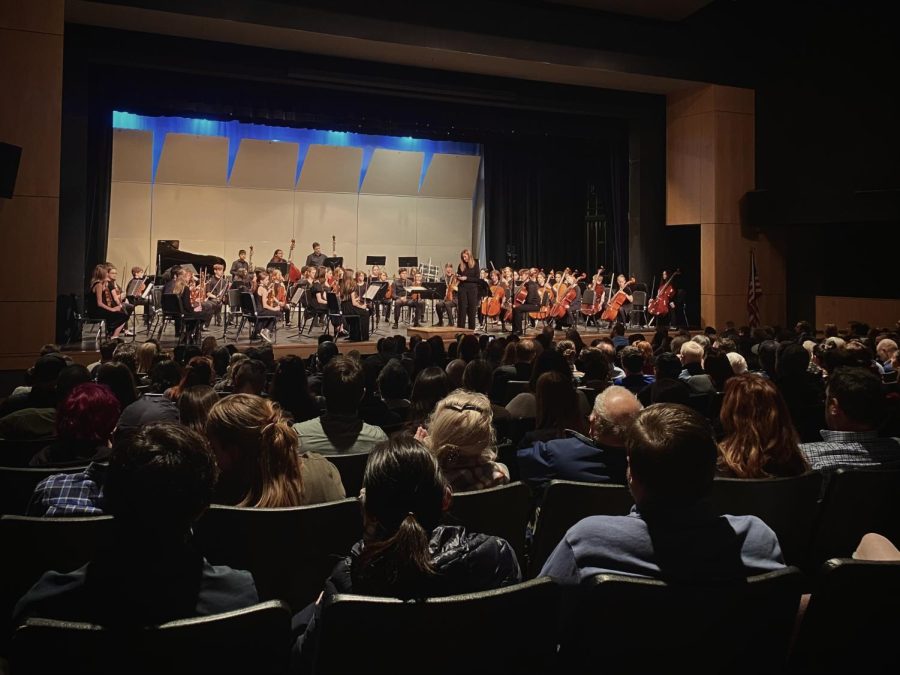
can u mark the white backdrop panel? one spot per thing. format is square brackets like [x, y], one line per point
[330, 168]
[132, 155]
[384, 218]
[451, 176]
[188, 212]
[439, 254]
[125, 253]
[265, 164]
[393, 172]
[321, 215]
[259, 214]
[444, 222]
[129, 210]
[193, 160]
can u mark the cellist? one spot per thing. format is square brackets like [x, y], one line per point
[532, 300]
[623, 286]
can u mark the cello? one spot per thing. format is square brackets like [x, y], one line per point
[545, 292]
[611, 313]
[568, 295]
[492, 304]
[519, 299]
[659, 306]
[599, 290]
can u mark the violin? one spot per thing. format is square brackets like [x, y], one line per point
[611, 313]
[659, 306]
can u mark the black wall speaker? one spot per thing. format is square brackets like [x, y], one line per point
[9, 168]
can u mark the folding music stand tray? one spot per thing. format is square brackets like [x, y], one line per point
[334, 262]
[379, 260]
[281, 267]
[409, 262]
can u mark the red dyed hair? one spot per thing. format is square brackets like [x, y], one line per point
[89, 413]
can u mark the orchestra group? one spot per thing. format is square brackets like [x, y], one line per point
[472, 296]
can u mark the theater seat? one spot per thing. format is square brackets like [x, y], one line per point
[351, 466]
[501, 511]
[256, 639]
[17, 485]
[509, 630]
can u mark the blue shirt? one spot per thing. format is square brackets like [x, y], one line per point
[635, 381]
[70, 494]
[573, 458]
[679, 545]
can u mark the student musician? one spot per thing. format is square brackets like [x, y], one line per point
[316, 258]
[352, 303]
[134, 292]
[199, 309]
[575, 306]
[625, 309]
[240, 281]
[102, 305]
[276, 283]
[277, 258]
[385, 302]
[444, 305]
[467, 274]
[532, 300]
[217, 290]
[240, 264]
[320, 286]
[402, 298]
[267, 306]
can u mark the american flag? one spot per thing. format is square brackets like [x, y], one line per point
[754, 291]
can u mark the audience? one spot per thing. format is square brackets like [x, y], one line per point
[194, 405]
[692, 373]
[525, 404]
[595, 368]
[33, 415]
[478, 377]
[597, 459]
[159, 482]
[525, 352]
[759, 438]
[854, 411]
[85, 421]
[430, 386]
[290, 390]
[259, 460]
[668, 387]
[461, 435]
[635, 379]
[119, 378]
[672, 532]
[340, 430]
[198, 372]
[557, 410]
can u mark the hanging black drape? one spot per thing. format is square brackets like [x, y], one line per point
[98, 182]
[536, 196]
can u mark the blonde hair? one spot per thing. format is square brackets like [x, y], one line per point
[461, 431]
[268, 461]
[145, 355]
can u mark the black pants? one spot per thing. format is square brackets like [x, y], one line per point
[468, 305]
[417, 306]
[520, 312]
[356, 320]
[267, 318]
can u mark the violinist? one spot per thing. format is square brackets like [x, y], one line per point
[118, 295]
[268, 306]
[135, 292]
[216, 289]
[200, 310]
[467, 275]
[385, 301]
[102, 305]
[352, 303]
[279, 289]
[320, 286]
[625, 310]
[448, 303]
[532, 299]
[402, 298]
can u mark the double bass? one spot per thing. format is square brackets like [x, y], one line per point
[293, 275]
[659, 306]
[599, 290]
[611, 313]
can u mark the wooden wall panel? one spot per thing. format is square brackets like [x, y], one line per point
[690, 175]
[34, 16]
[30, 233]
[734, 164]
[839, 310]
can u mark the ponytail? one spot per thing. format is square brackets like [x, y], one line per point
[399, 565]
[279, 465]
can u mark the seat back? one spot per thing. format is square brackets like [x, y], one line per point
[234, 300]
[639, 299]
[20, 452]
[515, 387]
[852, 620]
[501, 511]
[351, 466]
[488, 629]
[565, 503]
[289, 551]
[514, 429]
[645, 625]
[856, 501]
[788, 505]
[17, 485]
[248, 305]
[255, 639]
[43, 544]
[171, 306]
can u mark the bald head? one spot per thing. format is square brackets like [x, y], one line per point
[886, 350]
[691, 352]
[614, 410]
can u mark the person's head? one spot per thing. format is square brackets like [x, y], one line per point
[766, 352]
[194, 405]
[242, 254]
[277, 254]
[160, 480]
[549, 360]
[220, 358]
[671, 457]
[691, 352]
[527, 350]
[164, 375]
[738, 363]
[209, 345]
[403, 274]
[632, 360]
[759, 434]
[290, 386]
[218, 269]
[885, 349]
[146, 355]
[677, 343]
[478, 376]
[404, 498]
[429, 387]
[249, 377]
[118, 377]
[107, 349]
[466, 257]
[718, 367]
[88, 414]
[468, 348]
[594, 365]
[126, 353]
[455, 370]
[792, 361]
[69, 378]
[568, 351]
[393, 381]
[198, 372]
[256, 450]
[854, 400]
[614, 409]
[668, 366]
[702, 340]
[343, 385]
[460, 430]
[556, 404]
[326, 351]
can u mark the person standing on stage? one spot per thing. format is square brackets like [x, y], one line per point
[532, 300]
[467, 274]
[445, 305]
[316, 258]
[240, 264]
[277, 257]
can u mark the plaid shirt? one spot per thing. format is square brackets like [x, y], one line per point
[478, 477]
[70, 494]
[851, 449]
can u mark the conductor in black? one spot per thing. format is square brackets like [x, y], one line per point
[467, 299]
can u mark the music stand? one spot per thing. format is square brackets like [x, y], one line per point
[334, 262]
[379, 260]
[280, 266]
[376, 291]
[484, 290]
[409, 262]
[436, 289]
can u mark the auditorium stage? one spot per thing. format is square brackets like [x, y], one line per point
[289, 341]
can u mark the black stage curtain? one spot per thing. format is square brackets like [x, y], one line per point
[536, 198]
[98, 183]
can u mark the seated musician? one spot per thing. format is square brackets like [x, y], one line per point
[199, 309]
[316, 258]
[625, 309]
[100, 303]
[317, 290]
[352, 303]
[217, 290]
[385, 302]
[444, 305]
[532, 300]
[402, 298]
[575, 305]
[267, 305]
[276, 283]
[134, 292]
[118, 295]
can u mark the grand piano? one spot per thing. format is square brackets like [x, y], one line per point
[168, 254]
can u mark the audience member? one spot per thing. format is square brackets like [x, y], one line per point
[194, 405]
[455, 370]
[525, 404]
[146, 357]
[668, 387]
[164, 375]
[430, 386]
[120, 379]
[326, 351]
[766, 351]
[259, 459]
[599, 458]
[854, 410]
[760, 440]
[290, 390]
[634, 379]
[34, 415]
[460, 433]
[340, 430]
[718, 367]
[226, 384]
[198, 372]
[106, 353]
[886, 349]
[525, 352]
[159, 482]
[672, 532]
[85, 421]
[738, 363]
[692, 373]
[477, 378]
[249, 378]
[595, 368]
[394, 387]
[557, 410]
